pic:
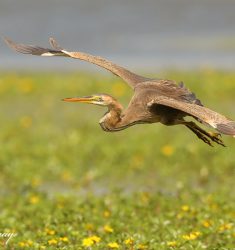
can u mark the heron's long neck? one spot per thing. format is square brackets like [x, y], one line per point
[110, 121]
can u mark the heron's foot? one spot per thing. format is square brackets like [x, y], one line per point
[216, 137]
[205, 136]
[202, 136]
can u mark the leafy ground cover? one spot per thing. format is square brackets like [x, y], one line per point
[66, 184]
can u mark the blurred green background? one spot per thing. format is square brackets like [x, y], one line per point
[64, 181]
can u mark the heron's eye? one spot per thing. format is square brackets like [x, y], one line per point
[100, 99]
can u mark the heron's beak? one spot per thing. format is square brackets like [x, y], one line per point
[87, 99]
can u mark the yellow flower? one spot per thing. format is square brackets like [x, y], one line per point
[206, 223]
[113, 245]
[89, 227]
[129, 241]
[145, 197]
[225, 226]
[34, 199]
[49, 231]
[108, 229]
[29, 242]
[42, 247]
[185, 208]
[60, 204]
[141, 247]
[213, 206]
[95, 238]
[191, 236]
[106, 213]
[66, 176]
[26, 121]
[35, 182]
[171, 243]
[167, 150]
[52, 242]
[22, 244]
[137, 161]
[89, 241]
[26, 85]
[64, 239]
[188, 237]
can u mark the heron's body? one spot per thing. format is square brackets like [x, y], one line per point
[153, 101]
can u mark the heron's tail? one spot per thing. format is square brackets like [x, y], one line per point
[226, 128]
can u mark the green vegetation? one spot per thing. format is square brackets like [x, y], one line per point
[66, 184]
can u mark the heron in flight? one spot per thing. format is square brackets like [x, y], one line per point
[154, 100]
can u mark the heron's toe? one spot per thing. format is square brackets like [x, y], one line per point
[216, 137]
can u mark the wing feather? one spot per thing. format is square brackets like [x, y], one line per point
[203, 114]
[30, 49]
[131, 78]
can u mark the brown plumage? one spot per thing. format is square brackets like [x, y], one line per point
[154, 100]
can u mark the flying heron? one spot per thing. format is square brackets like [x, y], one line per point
[154, 100]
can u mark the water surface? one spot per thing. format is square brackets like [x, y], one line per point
[147, 35]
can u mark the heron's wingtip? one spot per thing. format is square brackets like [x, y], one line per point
[51, 40]
[4, 38]
[12, 45]
[54, 44]
[7, 40]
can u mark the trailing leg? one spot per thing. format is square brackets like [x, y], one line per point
[202, 134]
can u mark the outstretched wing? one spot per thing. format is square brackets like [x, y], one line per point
[131, 78]
[203, 114]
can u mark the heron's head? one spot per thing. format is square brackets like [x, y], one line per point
[98, 99]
